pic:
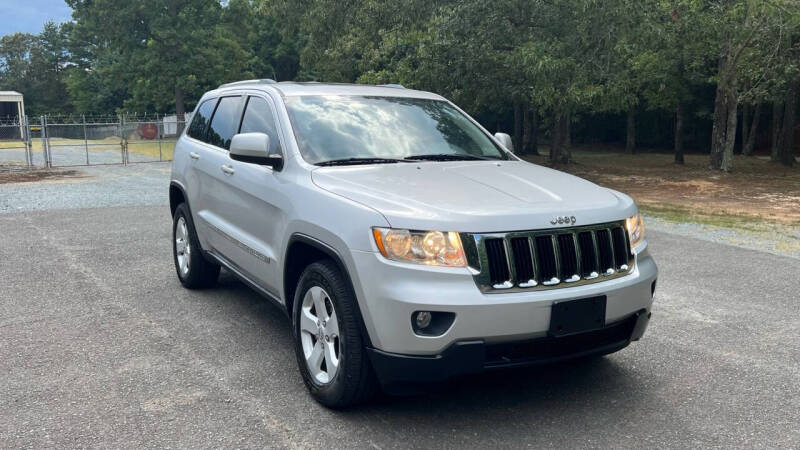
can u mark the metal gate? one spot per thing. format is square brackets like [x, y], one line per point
[63, 141]
[15, 144]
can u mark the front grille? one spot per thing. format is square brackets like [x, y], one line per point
[548, 259]
[498, 262]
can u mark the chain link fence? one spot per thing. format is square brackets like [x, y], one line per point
[15, 141]
[71, 140]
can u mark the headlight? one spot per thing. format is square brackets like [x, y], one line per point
[435, 248]
[635, 226]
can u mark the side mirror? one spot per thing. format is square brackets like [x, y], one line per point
[254, 148]
[505, 140]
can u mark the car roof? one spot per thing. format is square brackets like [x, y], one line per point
[295, 88]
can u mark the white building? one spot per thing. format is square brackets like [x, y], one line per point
[12, 110]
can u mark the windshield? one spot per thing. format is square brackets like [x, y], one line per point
[332, 128]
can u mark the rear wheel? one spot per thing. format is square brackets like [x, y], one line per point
[328, 342]
[194, 271]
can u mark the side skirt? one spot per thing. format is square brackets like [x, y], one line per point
[245, 279]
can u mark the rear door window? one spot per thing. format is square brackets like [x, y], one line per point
[200, 120]
[225, 122]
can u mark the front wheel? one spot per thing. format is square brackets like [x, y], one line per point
[328, 342]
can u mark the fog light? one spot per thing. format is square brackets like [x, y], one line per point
[423, 319]
[431, 323]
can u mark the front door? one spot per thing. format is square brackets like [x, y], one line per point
[256, 204]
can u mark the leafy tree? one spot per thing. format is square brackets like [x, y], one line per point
[154, 53]
[739, 25]
[36, 66]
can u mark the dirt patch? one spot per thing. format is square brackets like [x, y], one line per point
[32, 175]
[757, 189]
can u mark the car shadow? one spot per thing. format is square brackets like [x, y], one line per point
[583, 382]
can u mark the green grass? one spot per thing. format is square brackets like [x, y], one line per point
[675, 214]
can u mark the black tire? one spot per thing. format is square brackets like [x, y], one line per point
[354, 382]
[201, 272]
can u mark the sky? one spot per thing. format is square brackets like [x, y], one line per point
[29, 16]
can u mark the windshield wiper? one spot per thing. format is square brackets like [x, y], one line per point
[445, 157]
[353, 161]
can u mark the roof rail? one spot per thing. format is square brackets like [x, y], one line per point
[392, 85]
[256, 81]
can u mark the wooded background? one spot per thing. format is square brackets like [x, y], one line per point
[715, 76]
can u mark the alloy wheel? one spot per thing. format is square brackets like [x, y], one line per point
[319, 335]
[183, 248]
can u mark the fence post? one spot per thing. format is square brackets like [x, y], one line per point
[85, 138]
[45, 152]
[160, 128]
[28, 142]
[121, 139]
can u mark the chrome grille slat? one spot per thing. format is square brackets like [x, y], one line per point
[539, 259]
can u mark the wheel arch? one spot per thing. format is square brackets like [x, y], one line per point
[177, 195]
[302, 250]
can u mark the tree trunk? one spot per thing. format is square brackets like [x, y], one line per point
[750, 143]
[630, 141]
[517, 142]
[723, 134]
[529, 132]
[526, 130]
[555, 138]
[534, 141]
[720, 124]
[787, 150]
[559, 151]
[777, 136]
[679, 134]
[730, 132]
[745, 123]
[568, 132]
[718, 128]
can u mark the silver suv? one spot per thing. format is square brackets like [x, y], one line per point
[405, 242]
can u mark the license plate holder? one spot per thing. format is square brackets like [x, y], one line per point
[577, 316]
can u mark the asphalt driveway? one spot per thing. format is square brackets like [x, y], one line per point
[100, 346]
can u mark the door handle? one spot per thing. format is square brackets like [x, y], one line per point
[194, 155]
[226, 169]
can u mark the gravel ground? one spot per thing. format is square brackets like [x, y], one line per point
[102, 347]
[116, 185]
[775, 239]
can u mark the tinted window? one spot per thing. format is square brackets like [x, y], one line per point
[258, 118]
[197, 129]
[337, 127]
[224, 123]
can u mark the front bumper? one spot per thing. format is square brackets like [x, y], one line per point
[390, 292]
[396, 371]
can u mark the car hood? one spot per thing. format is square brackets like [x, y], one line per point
[474, 196]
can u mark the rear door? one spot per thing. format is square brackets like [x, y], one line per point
[215, 172]
[196, 173]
